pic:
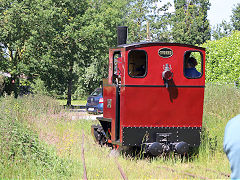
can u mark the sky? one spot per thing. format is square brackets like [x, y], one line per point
[219, 10]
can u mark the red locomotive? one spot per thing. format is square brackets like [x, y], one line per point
[150, 100]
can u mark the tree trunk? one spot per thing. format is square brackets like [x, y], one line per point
[16, 87]
[70, 80]
[69, 94]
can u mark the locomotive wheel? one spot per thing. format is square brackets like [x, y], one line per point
[99, 134]
[193, 152]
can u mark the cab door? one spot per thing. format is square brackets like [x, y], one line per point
[111, 93]
[117, 83]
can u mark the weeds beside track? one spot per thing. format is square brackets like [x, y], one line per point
[83, 158]
[121, 170]
[123, 175]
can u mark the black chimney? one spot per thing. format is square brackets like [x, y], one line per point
[122, 35]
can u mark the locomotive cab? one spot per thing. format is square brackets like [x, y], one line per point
[153, 97]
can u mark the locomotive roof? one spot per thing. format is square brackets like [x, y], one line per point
[144, 44]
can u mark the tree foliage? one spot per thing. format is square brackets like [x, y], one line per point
[226, 28]
[190, 23]
[235, 18]
[99, 34]
[59, 41]
[138, 13]
[15, 26]
[160, 25]
[222, 30]
[56, 44]
[63, 44]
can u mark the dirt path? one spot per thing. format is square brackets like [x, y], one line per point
[82, 114]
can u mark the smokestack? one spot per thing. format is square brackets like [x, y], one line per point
[122, 35]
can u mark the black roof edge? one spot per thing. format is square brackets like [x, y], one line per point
[144, 44]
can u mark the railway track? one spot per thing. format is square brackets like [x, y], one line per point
[187, 174]
[121, 170]
[214, 171]
[183, 173]
[123, 175]
[221, 173]
[83, 159]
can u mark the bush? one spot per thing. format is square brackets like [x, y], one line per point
[223, 59]
[1, 84]
[38, 87]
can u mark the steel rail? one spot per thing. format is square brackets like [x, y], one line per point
[83, 158]
[218, 172]
[214, 171]
[184, 173]
[121, 170]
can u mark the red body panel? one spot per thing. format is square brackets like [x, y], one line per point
[110, 94]
[155, 67]
[157, 107]
[146, 102]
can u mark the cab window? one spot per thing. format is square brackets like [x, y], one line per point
[116, 73]
[193, 64]
[137, 63]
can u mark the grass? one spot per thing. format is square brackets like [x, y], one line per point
[23, 155]
[74, 102]
[40, 122]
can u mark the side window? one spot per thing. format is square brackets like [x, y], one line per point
[137, 63]
[193, 64]
[116, 73]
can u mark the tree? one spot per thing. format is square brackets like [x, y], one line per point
[99, 34]
[56, 46]
[138, 12]
[161, 24]
[190, 23]
[71, 41]
[235, 18]
[59, 41]
[65, 42]
[222, 30]
[15, 26]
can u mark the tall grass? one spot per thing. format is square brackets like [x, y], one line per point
[23, 155]
[221, 103]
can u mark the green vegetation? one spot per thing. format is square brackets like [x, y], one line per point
[74, 102]
[223, 59]
[63, 45]
[40, 140]
[220, 105]
[65, 49]
[190, 23]
[235, 18]
[62, 51]
[23, 154]
[225, 28]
